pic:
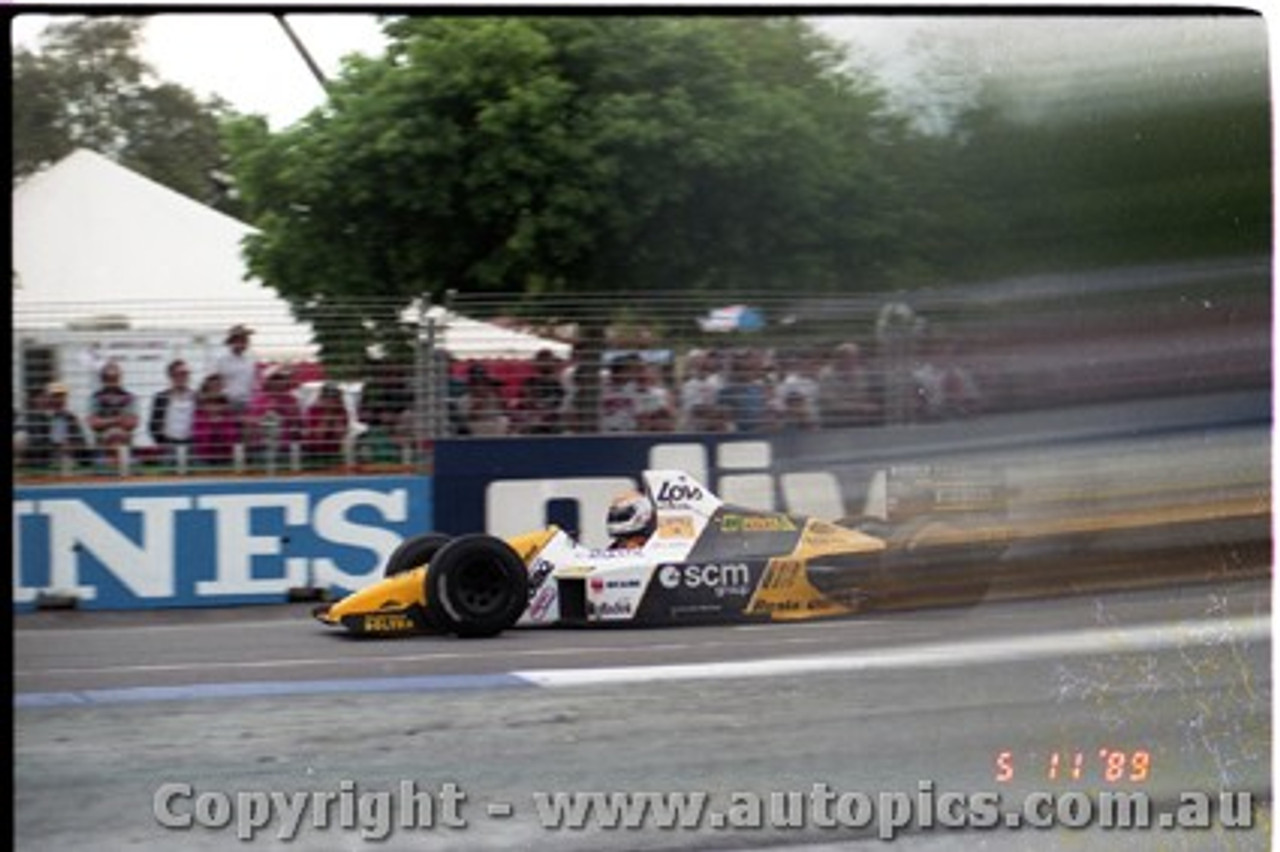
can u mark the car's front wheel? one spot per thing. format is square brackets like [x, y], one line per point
[414, 552]
[477, 587]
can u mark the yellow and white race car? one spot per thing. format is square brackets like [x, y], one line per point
[704, 561]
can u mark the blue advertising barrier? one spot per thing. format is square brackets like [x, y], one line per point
[507, 486]
[209, 543]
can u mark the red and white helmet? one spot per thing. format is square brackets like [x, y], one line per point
[630, 513]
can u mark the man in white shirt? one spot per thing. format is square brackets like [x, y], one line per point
[700, 393]
[238, 369]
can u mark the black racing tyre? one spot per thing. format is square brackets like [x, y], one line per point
[477, 587]
[413, 552]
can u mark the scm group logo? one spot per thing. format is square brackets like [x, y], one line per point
[722, 578]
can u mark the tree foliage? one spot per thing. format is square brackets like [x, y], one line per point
[1160, 157]
[87, 88]
[1171, 181]
[619, 154]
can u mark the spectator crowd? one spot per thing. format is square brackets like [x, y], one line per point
[240, 415]
[736, 390]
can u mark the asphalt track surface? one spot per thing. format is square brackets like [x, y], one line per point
[111, 706]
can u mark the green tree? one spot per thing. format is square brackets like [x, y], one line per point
[620, 154]
[87, 88]
[1158, 159]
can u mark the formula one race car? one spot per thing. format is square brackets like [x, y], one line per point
[704, 561]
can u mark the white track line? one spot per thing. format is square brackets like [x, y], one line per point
[914, 655]
[935, 654]
[392, 659]
[1053, 645]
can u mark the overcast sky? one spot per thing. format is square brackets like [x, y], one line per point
[244, 57]
[247, 59]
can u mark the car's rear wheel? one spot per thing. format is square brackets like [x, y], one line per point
[477, 587]
[414, 552]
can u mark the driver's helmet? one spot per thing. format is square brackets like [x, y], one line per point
[630, 513]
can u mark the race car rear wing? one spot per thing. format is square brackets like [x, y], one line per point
[675, 490]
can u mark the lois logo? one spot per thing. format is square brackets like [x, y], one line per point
[679, 493]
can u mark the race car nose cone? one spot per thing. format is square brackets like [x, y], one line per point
[321, 613]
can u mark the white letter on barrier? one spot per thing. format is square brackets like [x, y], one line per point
[147, 569]
[236, 545]
[332, 524]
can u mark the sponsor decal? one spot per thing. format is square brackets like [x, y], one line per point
[678, 494]
[538, 575]
[383, 622]
[208, 543]
[610, 553]
[597, 584]
[822, 538]
[765, 607]
[786, 593]
[791, 606]
[542, 602]
[695, 609]
[677, 526]
[677, 547]
[722, 579]
[633, 583]
[734, 523]
[782, 574]
[611, 609]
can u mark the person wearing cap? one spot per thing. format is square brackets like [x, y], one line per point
[238, 368]
[53, 432]
[113, 410]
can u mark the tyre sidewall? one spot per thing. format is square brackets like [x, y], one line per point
[414, 552]
[451, 564]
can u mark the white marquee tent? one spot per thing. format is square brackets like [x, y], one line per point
[96, 243]
[465, 338]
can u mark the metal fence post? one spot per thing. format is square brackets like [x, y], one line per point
[424, 344]
[895, 332]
